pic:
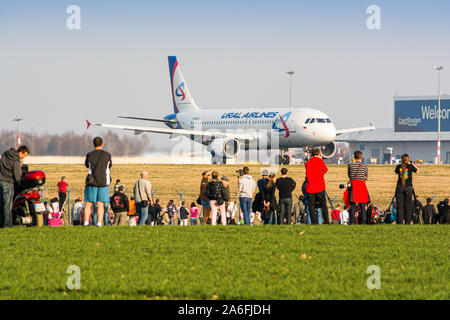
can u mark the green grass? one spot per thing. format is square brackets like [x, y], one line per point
[233, 262]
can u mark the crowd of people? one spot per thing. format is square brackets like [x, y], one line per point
[269, 200]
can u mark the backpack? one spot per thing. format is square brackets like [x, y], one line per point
[117, 203]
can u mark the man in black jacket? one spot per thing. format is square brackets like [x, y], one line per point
[120, 206]
[97, 183]
[10, 173]
[285, 186]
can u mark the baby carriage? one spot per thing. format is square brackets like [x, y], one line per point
[54, 216]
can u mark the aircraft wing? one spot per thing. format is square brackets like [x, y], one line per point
[341, 131]
[187, 132]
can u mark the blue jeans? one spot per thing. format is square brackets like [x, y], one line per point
[193, 221]
[272, 219]
[6, 199]
[143, 214]
[246, 204]
[285, 210]
[105, 214]
[318, 214]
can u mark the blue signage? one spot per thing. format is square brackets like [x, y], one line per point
[421, 115]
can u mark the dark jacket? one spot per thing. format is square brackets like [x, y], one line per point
[119, 202]
[216, 191]
[285, 186]
[184, 213]
[203, 185]
[99, 162]
[10, 169]
[428, 212]
[268, 194]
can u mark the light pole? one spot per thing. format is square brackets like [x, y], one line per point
[290, 73]
[439, 68]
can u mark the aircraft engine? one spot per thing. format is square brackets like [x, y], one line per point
[328, 150]
[224, 148]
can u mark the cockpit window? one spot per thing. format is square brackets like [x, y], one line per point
[312, 120]
[320, 120]
[307, 120]
[328, 120]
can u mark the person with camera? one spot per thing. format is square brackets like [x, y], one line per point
[143, 197]
[404, 190]
[217, 195]
[247, 187]
[358, 173]
[315, 185]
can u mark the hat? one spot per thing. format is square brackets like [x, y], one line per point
[225, 178]
[265, 172]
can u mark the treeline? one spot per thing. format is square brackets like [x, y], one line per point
[71, 144]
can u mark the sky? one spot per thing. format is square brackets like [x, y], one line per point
[232, 53]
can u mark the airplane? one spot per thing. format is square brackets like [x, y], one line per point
[216, 128]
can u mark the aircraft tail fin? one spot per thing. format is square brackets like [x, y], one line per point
[181, 97]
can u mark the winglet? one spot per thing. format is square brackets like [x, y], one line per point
[88, 124]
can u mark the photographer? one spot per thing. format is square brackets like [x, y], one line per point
[404, 190]
[358, 195]
[315, 186]
[247, 187]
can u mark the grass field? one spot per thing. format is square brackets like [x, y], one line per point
[167, 179]
[233, 262]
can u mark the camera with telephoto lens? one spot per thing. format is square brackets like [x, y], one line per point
[240, 172]
[347, 185]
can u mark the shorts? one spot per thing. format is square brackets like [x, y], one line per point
[205, 203]
[96, 194]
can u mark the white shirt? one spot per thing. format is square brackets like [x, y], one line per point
[344, 217]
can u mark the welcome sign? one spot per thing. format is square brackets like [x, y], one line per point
[421, 115]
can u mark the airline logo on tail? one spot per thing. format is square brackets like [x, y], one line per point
[179, 92]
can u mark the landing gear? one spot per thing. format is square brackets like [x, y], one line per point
[283, 158]
[219, 160]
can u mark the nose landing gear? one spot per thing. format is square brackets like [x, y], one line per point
[283, 158]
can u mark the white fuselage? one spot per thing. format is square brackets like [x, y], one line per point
[297, 129]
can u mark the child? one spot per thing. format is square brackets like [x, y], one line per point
[335, 215]
[194, 214]
[54, 217]
[184, 215]
[343, 217]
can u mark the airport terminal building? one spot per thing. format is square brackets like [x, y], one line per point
[414, 132]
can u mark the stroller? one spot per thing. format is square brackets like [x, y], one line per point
[54, 217]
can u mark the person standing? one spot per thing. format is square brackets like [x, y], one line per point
[404, 190]
[264, 178]
[62, 193]
[343, 217]
[315, 185]
[10, 173]
[184, 214]
[156, 213]
[358, 173]
[206, 212]
[217, 196]
[247, 187]
[117, 185]
[285, 186]
[270, 206]
[143, 197]
[120, 207]
[194, 214]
